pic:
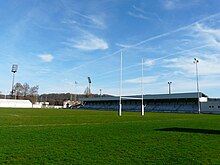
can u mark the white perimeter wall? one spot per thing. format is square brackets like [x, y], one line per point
[11, 103]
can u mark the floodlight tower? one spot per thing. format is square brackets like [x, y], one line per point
[14, 69]
[196, 61]
[100, 91]
[89, 80]
[169, 87]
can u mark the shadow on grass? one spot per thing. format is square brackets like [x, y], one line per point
[190, 130]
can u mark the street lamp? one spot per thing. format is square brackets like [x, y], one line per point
[196, 61]
[169, 87]
[14, 69]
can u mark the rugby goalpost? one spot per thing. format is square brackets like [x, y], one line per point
[121, 85]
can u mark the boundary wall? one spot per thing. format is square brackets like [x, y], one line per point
[11, 103]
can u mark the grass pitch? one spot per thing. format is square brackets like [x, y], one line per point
[44, 136]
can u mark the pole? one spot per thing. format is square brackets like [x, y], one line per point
[142, 95]
[196, 61]
[13, 70]
[12, 87]
[75, 90]
[120, 102]
[169, 87]
[89, 80]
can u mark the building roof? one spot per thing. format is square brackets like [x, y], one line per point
[192, 95]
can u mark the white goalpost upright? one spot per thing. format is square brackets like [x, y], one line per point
[133, 98]
[120, 103]
[142, 87]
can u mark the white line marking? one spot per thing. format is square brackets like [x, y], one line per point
[81, 124]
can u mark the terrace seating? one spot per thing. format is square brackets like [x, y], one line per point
[170, 108]
[148, 108]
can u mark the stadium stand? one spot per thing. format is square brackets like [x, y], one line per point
[177, 102]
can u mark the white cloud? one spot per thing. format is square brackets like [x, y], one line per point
[183, 30]
[179, 4]
[138, 15]
[46, 57]
[146, 80]
[95, 21]
[123, 45]
[138, 9]
[90, 42]
[207, 34]
[170, 4]
[149, 62]
[98, 21]
[69, 21]
[85, 39]
[141, 13]
[208, 64]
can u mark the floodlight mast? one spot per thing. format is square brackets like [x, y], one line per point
[14, 69]
[89, 80]
[196, 61]
[100, 92]
[169, 87]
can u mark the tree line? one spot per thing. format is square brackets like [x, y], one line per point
[24, 90]
[27, 92]
[59, 98]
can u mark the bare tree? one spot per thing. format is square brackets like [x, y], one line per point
[26, 89]
[33, 90]
[19, 89]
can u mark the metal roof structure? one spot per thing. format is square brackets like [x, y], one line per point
[192, 95]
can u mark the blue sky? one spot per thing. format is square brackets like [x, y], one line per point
[58, 42]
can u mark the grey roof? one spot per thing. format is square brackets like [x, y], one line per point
[150, 97]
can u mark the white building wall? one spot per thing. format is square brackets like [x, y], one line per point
[11, 103]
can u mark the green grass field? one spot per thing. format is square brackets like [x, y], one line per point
[48, 136]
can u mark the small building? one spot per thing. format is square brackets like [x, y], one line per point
[41, 105]
[176, 102]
